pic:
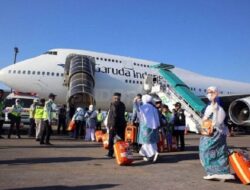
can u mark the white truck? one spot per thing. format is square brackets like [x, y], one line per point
[26, 99]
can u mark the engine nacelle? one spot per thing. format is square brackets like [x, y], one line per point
[239, 111]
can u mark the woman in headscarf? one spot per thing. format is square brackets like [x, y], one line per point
[213, 149]
[91, 117]
[148, 133]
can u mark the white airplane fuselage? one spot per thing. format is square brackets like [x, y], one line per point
[44, 74]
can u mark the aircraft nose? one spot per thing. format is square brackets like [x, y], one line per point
[4, 75]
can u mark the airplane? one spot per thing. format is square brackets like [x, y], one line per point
[49, 73]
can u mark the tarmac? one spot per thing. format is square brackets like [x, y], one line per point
[75, 164]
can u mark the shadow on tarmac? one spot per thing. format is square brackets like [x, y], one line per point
[62, 187]
[54, 146]
[21, 161]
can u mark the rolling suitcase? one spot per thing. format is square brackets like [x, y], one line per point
[130, 134]
[105, 140]
[72, 125]
[123, 154]
[98, 135]
[241, 166]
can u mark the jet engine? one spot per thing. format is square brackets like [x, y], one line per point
[239, 111]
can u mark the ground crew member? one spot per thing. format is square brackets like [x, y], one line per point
[179, 125]
[47, 118]
[32, 120]
[2, 106]
[38, 116]
[15, 118]
[100, 119]
[62, 120]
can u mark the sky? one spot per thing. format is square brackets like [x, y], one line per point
[210, 37]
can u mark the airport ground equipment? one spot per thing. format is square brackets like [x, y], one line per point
[175, 90]
[79, 73]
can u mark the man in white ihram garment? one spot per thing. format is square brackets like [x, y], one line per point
[149, 123]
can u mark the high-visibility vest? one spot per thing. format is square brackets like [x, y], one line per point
[38, 112]
[99, 117]
[47, 110]
[1, 105]
[16, 110]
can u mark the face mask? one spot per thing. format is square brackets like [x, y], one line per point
[209, 96]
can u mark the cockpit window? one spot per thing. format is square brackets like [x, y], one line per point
[51, 52]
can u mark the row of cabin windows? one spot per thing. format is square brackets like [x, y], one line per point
[140, 65]
[35, 73]
[133, 81]
[205, 90]
[110, 60]
[118, 61]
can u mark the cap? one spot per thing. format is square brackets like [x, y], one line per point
[157, 100]
[52, 95]
[117, 94]
[177, 104]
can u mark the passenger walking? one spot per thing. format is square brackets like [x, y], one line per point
[149, 124]
[15, 118]
[47, 118]
[168, 129]
[78, 117]
[137, 103]
[91, 117]
[213, 149]
[135, 114]
[2, 115]
[39, 109]
[100, 119]
[179, 121]
[62, 119]
[31, 116]
[116, 121]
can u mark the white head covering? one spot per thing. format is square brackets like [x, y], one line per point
[213, 89]
[146, 98]
[149, 114]
[79, 109]
[91, 107]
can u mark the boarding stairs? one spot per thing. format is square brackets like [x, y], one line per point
[79, 73]
[175, 90]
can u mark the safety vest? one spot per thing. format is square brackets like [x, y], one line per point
[47, 110]
[16, 110]
[38, 112]
[126, 116]
[99, 117]
[1, 105]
